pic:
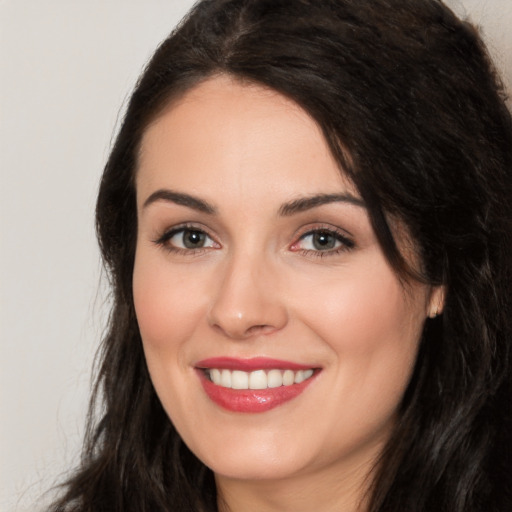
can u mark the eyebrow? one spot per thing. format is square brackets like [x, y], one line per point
[306, 203]
[287, 209]
[181, 199]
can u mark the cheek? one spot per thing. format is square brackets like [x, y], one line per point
[364, 303]
[168, 304]
[372, 326]
[373, 314]
[372, 329]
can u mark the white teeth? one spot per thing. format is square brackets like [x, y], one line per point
[225, 379]
[302, 375]
[215, 376]
[288, 378]
[239, 380]
[274, 379]
[299, 377]
[259, 379]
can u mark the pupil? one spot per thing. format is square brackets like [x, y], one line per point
[323, 241]
[193, 239]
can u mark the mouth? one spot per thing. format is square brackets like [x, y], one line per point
[253, 385]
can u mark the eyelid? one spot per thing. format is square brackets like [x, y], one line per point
[169, 233]
[341, 235]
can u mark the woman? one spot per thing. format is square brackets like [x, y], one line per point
[306, 221]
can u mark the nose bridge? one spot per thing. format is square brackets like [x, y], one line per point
[247, 301]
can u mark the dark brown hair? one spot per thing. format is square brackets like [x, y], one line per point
[411, 107]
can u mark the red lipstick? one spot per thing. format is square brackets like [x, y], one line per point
[249, 365]
[250, 400]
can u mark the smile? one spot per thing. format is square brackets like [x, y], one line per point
[253, 385]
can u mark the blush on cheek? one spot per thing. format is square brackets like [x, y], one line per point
[169, 303]
[149, 313]
[363, 312]
[151, 303]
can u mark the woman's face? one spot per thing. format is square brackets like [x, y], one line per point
[257, 268]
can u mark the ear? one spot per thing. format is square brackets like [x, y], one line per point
[436, 301]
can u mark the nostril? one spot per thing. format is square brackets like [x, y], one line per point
[244, 333]
[260, 329]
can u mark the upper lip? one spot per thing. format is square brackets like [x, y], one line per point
[250, 364]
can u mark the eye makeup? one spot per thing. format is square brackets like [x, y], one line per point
[319, 241]
[324, 240]
[186, 239]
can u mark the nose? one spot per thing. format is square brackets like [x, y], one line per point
[247, 301]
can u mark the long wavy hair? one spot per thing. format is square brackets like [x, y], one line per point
[412, 109]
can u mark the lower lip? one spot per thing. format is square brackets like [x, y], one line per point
[251, 400]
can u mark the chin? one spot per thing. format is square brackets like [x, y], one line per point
[252, 459]
[237, 468]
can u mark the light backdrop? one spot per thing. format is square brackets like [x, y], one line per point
[66, 69]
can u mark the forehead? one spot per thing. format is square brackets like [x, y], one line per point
[225, 131]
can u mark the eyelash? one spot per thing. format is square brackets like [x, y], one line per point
[346, 244]
[163, 241]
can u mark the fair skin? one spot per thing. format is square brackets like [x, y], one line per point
[231, 261]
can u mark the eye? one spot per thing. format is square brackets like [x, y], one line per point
[186, 239]
[326, 241]
[320, 241]
[190, 239]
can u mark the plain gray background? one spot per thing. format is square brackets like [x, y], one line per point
[66, 69]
